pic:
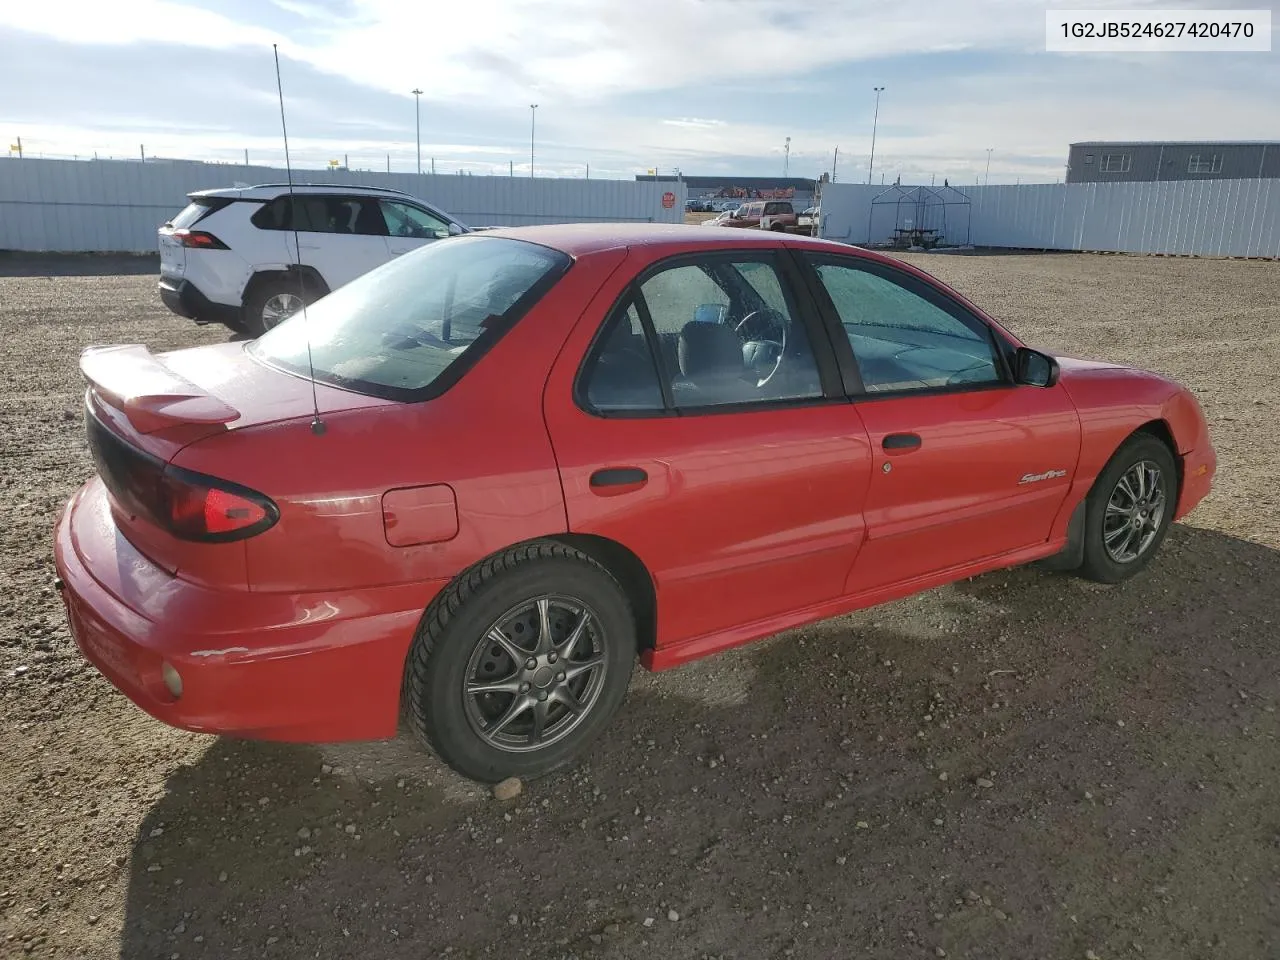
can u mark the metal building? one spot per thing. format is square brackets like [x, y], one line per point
[1102, 161]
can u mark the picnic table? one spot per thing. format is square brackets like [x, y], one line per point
[926, 237]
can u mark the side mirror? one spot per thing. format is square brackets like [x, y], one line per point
[455, 230]
[1034, 369]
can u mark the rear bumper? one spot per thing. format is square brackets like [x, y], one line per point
[186, 300]
[1198, 469]
[298, 667]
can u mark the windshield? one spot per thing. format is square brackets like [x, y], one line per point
[395, 331]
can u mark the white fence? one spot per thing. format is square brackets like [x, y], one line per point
[1223, 218]
[116, 205]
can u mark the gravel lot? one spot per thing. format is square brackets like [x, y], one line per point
[1022, 765]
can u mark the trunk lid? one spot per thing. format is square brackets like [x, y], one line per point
[143, 408]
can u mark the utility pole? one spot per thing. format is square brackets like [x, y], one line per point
[987, 176]
[834, 160]
[417, 117]
[246, 156]
[388, 163]
[588, 169]
[20, 148]
[786, 157]
[511, 168]
[533, 120]
[433, 167]
[871, 167]
[142, 151]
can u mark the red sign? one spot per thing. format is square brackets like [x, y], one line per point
[668, 200]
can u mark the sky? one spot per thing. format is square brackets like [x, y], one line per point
[622, 86]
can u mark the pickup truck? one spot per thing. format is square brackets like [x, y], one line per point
[776, 215]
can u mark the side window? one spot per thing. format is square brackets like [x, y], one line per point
[307, 211]
[724, 338]
[354, 215]
[405, 220]
[764, 281]
[619, 375]
[313, 213]
[902, 341]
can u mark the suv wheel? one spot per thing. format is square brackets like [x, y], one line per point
[273, 303]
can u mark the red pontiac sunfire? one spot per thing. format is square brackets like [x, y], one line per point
[544, 451]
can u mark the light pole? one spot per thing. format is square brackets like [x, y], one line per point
[986, 178]
[874, 121]
[786, 157]
[533, 124]
[417, 115]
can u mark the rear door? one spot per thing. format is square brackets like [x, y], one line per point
[706, 431]
[967, 464]
[342, 236]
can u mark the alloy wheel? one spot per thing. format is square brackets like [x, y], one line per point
[535, 674]
[280, 307]
[1134, 512]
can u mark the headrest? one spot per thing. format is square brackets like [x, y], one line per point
[709, 349]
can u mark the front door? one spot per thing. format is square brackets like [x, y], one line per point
[705, 432]
[409, 226]
[967, 464]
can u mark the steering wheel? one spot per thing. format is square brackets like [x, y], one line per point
[763, 317]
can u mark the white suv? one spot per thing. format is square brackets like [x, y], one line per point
[229, 256]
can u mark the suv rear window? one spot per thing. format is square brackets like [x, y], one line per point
[197, 210]
[408, 330]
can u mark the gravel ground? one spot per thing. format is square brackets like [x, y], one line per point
[1022, 765]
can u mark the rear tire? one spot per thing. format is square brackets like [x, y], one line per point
[496, 697]
[270, 303]
[1129, 510]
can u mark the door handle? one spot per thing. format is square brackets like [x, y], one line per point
[900, 442]
[618, 477]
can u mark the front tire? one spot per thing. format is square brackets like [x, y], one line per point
[521, 663]
[1129, 510]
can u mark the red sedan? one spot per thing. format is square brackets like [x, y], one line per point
[472, 486]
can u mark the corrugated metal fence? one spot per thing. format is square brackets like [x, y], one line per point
[68, 205]
[1222, 218]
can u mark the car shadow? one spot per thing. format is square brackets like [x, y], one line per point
[1022, 764]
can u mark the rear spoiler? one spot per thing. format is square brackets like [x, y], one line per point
[135, 382]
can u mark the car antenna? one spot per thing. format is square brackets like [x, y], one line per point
[317, 425]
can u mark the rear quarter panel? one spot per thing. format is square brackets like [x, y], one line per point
[485, 438]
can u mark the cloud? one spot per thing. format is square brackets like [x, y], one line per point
[620, 85]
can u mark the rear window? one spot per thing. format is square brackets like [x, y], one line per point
[409, 329]
[196, 211]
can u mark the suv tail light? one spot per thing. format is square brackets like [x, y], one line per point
[199, 239]
[190, 505]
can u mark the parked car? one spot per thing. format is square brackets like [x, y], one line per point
[458, 489]
[780, 214]
[229, 256]
[721, 206]
[719, 219]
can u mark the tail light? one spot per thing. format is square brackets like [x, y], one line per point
[195, 506]
[199, 239]
[190, 505]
